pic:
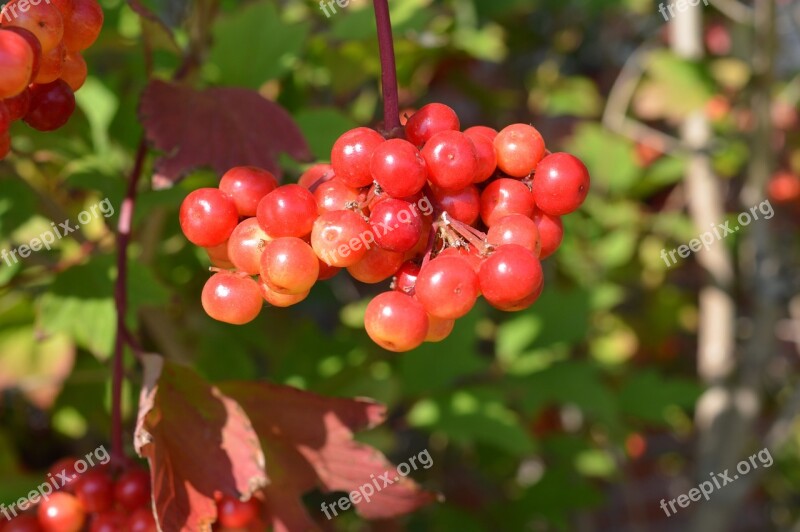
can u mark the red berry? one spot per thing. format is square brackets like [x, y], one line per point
[341, 238]
[83, 26]
[470, 254]
[61, 513]
[519, 148]
[487, 156]
[51, 106]
[439, 328]
[504, 197]
[16, 63]
[74, 70]
[396, 224]
[246, 186]
[784, 187]
[551, 232]
[246, 245]
[289, 266]
[511, 278]
[234, 513]
[5, 118]
[276, 299]
[335, 195]
[111, 521]
[141, 520]
[452, 160]
[447, 287]
[352, 153]
[405, 279]
[18, 105]
[208, 217]
[218, 255]
[515, 229]
[52, 66]
[231, 298]
[398, 167]
[132, 489]
[23, 523]
[396, 321]
[430, 120]
[377, 265]
[65, 469]
[289, 210]
[5, 144]
[484, 131]
[315, 175]
[95, 491]
[462, 205]
[561, 184]
[41, 19]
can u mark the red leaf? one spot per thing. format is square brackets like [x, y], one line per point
[308, 441]
[218, 127]
[198, 442]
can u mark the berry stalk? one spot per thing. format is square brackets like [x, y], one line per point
[391, 106]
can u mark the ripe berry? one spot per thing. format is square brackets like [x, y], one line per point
[341, 238]
[396, 225]
[16, 64]
[485, 152]
[74, 70]
[439, 329]
[52, 66]
[515, 229]
[247, 185]
[405, 279]
[132, 489]
[231, 298]
[470, 254]
[42, 19]
[430, 120]
[35, 46]
[335, 195]
[484, 131]
[276, 299]
[245, 246]
[233, 513]
[5, 144]
[289, 266]
[511, 278]
[18, 105]
[83, 26]
[561, 184]
[95, 491]
[141, 520]
[398, 167]
[51, 106]
[452, 160]
[5, 118]
[61, 513]
[396, 322]
[316, 174]
[377, 265]
[352, 153]
[326, 271]
[23, 523]
[208, 217]
[551, 232]
[218, 255]
[111, 521]
[503, 197]
[447, 287]
[462, 205]
[519, 148]
[289, 210]
[64, 471]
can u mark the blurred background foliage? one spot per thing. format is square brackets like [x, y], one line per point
[575, 413]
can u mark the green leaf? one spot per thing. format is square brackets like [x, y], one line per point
[321, 128]
[610, 158]
[647, 395]
[99, 104]
[17, 206]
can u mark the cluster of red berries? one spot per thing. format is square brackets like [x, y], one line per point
[410, 208]
[40, 62]
[92, 501]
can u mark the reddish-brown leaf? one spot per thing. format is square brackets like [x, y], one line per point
[308, 443]
[198, 442]
[218, 128]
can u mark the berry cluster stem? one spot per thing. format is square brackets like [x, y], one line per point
[391, 105]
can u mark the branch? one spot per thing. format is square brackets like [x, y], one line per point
[391, 105]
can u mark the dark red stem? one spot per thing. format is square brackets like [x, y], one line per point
[121, 302]
[391, 105]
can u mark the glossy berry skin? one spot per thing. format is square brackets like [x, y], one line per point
[218, 255]
[398, 167]
[405, 279]
[18, 105]
[65, 467]
[52, 66]
[289, 210]
[485, 153]
[43, 20]
[51, 106]
[335, 195]
[141, 520]
[396, 225]
[289, 266]
[503, 197]
[351, 155]
[377, 265]
[35, 46]
[326, 271]
[245, 246]
[74, 70]
[231, 298]
[111, 521]
[511, 278]
[233, 513]
[61, 513]
[16, 63]
[341, 238]
[447, 287]
[439, 329]
[452, 160]
[316, 174]
[208, 217]
[246, 186]
[95, 491]
[23, 523]
[515, 229]
[561, 184]
[551, 232]
[5, 118]
[519, 149]
[276, 299]
[462, 205]
[484, 131]
[470, 254]
[396, 322]
[430, 120]
[132, 489]
[83, 26]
